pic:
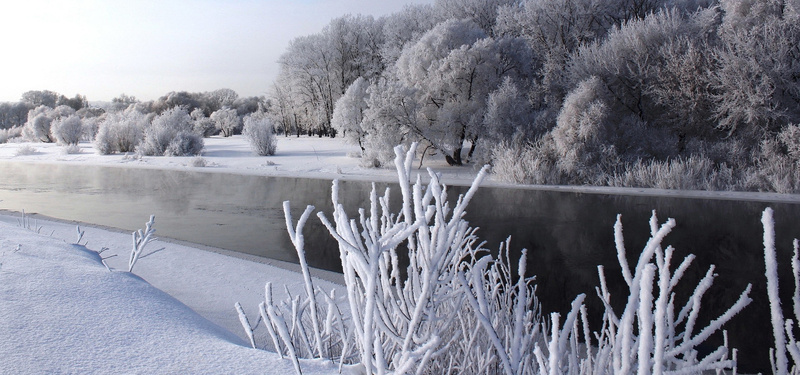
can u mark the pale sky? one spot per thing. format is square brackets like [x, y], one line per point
[148, 48]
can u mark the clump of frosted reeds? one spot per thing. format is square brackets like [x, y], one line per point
[451, 307]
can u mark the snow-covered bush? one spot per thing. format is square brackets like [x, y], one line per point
[26, 150]
[580, 135]
[692, 173]
[258, 130]
[171, 134]
[67, 130]
[71, 149]
[91, 125]
[774, 168]
[185, 144]
[451, 307]
[120, 132]
[7, 134]
[202, 124]
[295, 326]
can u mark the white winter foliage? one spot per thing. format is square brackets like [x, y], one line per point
[348, 113]
[121, 131]
[258, 129]
[171, 134]
[67, 130]
[226, 120]
[453, 308]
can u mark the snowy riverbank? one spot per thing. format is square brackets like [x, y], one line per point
[64, 312]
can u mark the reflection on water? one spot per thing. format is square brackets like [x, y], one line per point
[567, 234]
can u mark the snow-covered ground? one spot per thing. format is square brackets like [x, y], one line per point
[296, 156]
[62, 311]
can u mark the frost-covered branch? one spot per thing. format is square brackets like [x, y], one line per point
[140, 240]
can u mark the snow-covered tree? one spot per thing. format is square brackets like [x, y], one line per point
[37, 128]
[226, 120]
[349, 113]
[452, 69]
[202, 124]
[67, 130]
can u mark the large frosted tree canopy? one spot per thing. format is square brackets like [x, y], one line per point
[697, 87]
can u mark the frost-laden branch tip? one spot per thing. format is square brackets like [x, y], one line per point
[140, 239]
[645, 338]
[782, 329]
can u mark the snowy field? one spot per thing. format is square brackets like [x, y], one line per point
[303, 156]
[62, 311]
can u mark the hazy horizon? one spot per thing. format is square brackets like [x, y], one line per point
[148, 48]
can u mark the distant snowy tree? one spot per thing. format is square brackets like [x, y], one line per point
[349, 113]
[452, 70]
[202, 124]
[405, 27]
[67, 130]
[37, 98]
[37, 128]
[226, 120]
[392, 111]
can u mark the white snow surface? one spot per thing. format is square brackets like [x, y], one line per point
[296, 156]
[62, 311]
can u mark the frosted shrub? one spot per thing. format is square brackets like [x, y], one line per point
[774, 170]
[198, 162]
[141, 238]
[258, 130]
[25, 150]
[692, 173]
[202, 124]
[67, 130]
[527, 163]
[650, 334]
[71, 149]
[169, 134]
[120, 132]
[7, 134]
[185, 144]
[91, 125]
[580, 133]
[310, 326]
[450, 307]
[406, 324]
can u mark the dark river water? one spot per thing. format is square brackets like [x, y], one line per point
[567, 234]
